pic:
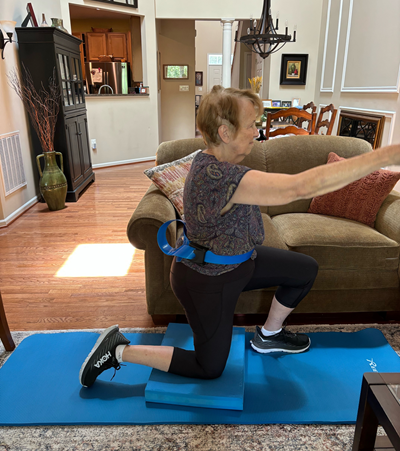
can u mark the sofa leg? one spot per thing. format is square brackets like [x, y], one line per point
[163, 320]
[392, 316]
[5, 334]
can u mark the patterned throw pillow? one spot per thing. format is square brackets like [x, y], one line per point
[170, 179]
[360, 200]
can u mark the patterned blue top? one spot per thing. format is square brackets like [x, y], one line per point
[209, 187]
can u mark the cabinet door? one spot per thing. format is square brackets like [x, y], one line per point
[67, 95]
[74, 151]
[82, 51]
[96, 45]
[86, 160]
[77, 80]
[116, 45]
[71, 82]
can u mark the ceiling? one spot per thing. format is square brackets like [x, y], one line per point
[83, 12]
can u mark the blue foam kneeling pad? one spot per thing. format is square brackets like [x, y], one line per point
[226, 392]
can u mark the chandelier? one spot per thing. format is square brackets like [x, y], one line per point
[262, 38]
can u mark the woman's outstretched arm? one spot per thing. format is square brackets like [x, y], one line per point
[263, 188]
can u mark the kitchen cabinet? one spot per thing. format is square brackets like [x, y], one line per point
[115, 44]
[41, 50]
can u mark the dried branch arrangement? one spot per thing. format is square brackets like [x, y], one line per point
[42, 107]
[255, 84]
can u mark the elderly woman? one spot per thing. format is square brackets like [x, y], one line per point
[221, 203]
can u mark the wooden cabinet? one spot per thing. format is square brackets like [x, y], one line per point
[115, 44]
[41, 50]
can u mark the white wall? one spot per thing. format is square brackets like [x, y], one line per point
[207, 9]
[357, 70]
[176, 45]
[307, 16]
[12, 113]
[209, 40]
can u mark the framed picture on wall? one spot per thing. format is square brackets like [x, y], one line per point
[294, 69]
[198, 81]
[176, 71]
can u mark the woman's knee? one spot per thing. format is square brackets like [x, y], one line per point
[213, 372]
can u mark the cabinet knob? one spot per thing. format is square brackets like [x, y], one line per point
[79, 133]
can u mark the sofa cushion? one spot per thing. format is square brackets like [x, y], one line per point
[296, 154]
[272, 237]
[360, 200]
[170, 179]
[337, 243]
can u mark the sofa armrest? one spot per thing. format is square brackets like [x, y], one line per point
[152, 211]
[388, 218]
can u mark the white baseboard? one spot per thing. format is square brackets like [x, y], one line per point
[19, 212]
[119, 163]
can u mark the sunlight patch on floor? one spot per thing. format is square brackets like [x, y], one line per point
[98, 260]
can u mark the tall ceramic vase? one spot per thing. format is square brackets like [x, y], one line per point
[53, 184]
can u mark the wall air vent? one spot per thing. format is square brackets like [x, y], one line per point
[11, 163]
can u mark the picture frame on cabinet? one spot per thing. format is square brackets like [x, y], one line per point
[31, 17]
[296, 102]
[267, 103]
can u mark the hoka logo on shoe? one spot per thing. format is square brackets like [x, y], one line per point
[372, 364]
[103, 360]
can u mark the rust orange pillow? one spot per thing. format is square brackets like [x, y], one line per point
[360, 200]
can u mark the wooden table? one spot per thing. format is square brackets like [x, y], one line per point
[379, 405]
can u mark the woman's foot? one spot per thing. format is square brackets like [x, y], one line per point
[283, 341]
[102, 356]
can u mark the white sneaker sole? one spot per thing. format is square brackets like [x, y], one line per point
[289, 351]
[97, 344]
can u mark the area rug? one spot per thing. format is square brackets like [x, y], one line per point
[189, 437]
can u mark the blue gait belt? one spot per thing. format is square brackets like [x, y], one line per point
[195, 252]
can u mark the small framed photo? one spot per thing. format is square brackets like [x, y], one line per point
[175, 71]
[198, 81]
[294, 69]
[30, 16]
[296, 102]
[267, 103]
[286, 103]
[276, 103]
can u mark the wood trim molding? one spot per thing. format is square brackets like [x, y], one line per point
[362, 88]
[330, 89]
[17, 213]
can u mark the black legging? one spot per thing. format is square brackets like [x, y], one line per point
[210, 301]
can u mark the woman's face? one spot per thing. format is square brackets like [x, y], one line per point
[244, 140]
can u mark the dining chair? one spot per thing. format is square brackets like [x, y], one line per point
[5, 334]
[328, 123]
[309, 106]
[293, 113]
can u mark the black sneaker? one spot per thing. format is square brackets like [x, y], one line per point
[102, 356]
[284, 341]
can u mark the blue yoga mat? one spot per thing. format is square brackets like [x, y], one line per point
[39, 384]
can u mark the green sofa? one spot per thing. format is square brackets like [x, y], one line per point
[358, 265]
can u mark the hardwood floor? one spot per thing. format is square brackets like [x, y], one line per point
[37, 244]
